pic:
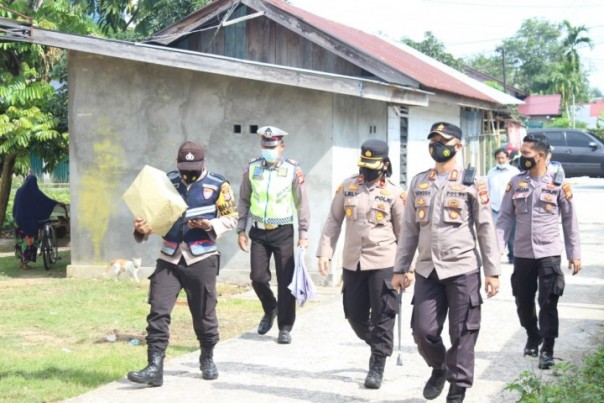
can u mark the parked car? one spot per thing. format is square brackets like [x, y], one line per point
[580, 152]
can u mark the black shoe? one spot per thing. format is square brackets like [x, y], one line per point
[376, 372]
[206, 364]
[266, 323]
[435, 384]
[531, 348]
[284, 337]
[152, 374]
[546, 360]
[456, 394]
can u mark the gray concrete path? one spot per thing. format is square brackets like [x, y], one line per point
[326, 363]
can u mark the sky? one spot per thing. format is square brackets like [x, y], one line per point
[468, 27]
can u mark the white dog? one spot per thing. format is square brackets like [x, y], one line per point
[119, 266]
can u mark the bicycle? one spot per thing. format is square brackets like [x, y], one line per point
[49, 247]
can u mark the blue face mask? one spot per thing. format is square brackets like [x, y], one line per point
[270, 155]
[502, 166]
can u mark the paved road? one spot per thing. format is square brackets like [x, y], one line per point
[326, 363]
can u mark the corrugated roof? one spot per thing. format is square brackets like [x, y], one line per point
[400, 64]
[541, 105]
[430, 73]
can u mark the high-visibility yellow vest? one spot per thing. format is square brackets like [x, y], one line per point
[272, 200]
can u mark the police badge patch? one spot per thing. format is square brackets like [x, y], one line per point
[568, 193]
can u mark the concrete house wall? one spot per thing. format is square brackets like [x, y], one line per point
[126, 114]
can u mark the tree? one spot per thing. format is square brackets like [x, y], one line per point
[577, 88]
[27, 125]
[530, 53]
[431, 46]
[136, 20]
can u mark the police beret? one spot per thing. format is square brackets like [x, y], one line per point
[190, 157]
[447, 130]
[271, 135]
[373, 154]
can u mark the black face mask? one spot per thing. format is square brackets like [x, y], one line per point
[527, 163]
[370, 175]
[441, 153]
[189, 176]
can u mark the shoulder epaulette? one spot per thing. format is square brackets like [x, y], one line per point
[216, 177]
[254, 159]
[292, 161]
[173, 174]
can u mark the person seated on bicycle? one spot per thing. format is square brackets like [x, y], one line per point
[30, 207]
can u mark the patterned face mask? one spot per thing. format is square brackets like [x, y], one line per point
[441, 153]
[527, 163]
[189, 176]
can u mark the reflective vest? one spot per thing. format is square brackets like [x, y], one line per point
[201, 198]
[271, 200]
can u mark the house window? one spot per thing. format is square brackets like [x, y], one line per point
[253, 129]
[237, 129]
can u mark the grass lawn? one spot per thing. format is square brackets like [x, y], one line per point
[53, 332]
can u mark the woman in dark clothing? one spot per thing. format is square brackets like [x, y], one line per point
[29, 208]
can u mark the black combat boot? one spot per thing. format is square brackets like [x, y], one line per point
[376, 372]
[456, 394]
[152, 374]
[206, 364]
[533, 340]
[435, 384]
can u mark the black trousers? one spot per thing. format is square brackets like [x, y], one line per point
[280, 244]
[460, 297]
[546, 276]
[370, 307]
[199, 283]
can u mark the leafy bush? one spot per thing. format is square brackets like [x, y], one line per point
[574, 384]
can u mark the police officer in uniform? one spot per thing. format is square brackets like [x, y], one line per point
[535, 200]
[271, 189]
[189, 260]
[446, 215]
[372, 206]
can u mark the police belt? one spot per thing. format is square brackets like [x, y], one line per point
[266, 226]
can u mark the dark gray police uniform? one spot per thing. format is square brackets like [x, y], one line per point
[444, 219]
[537, 204]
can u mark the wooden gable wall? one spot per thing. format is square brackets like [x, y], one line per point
[263, 40]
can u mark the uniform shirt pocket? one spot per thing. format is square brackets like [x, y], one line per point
[422, 208]
[380, 213]
[520, 200]
[454, 210]
[351, 208]
[548, 202]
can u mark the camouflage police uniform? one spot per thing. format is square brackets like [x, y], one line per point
[536, 204]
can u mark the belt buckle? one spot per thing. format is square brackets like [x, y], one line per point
[270, 226]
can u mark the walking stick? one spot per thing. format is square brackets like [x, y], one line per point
[399, 297]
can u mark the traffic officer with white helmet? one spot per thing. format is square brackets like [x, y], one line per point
[447, 214]
[372, 206]
[272, 190]
[536, 200]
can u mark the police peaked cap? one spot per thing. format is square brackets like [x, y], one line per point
[374, 153]
[271, 136]
[446, 130]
